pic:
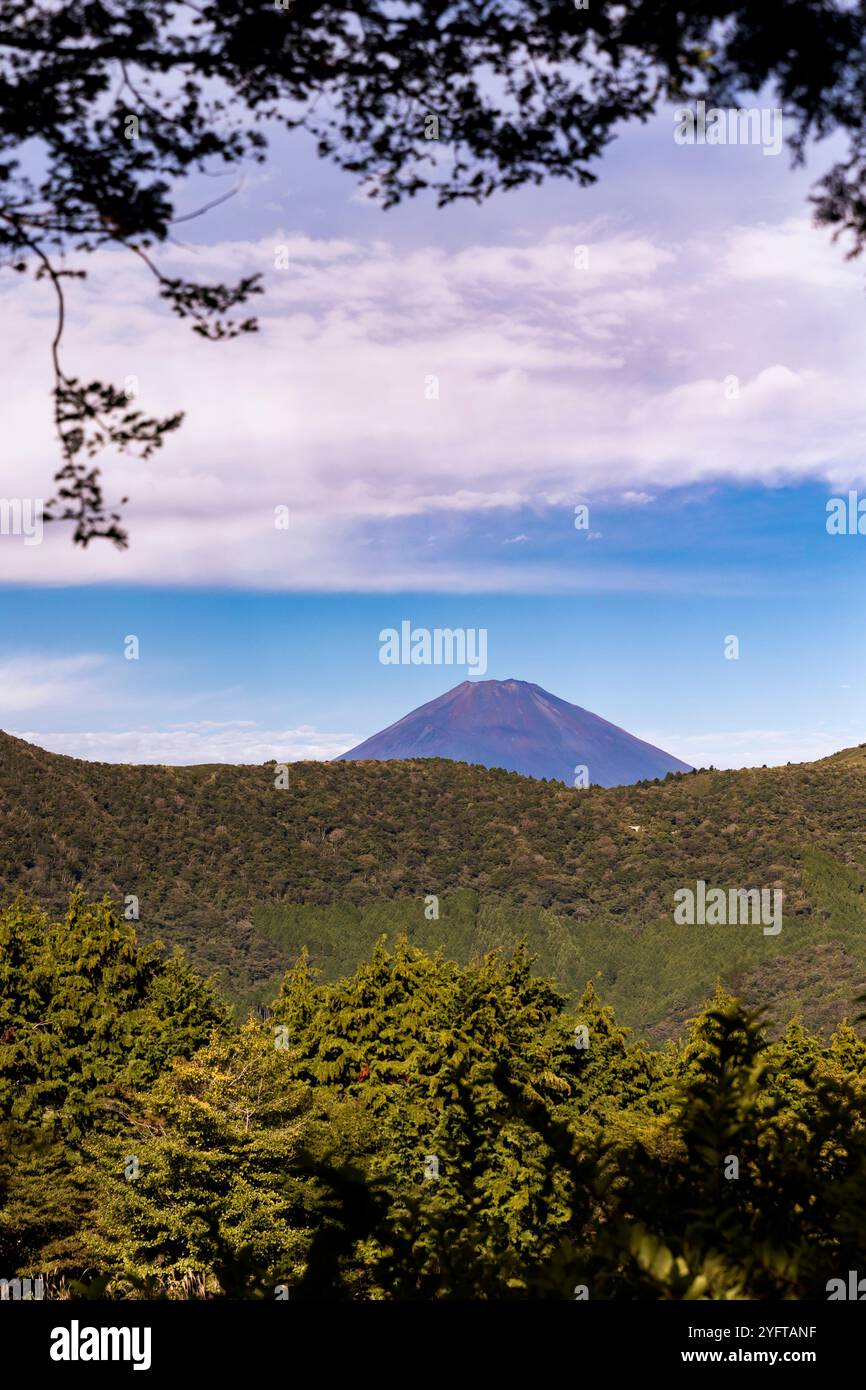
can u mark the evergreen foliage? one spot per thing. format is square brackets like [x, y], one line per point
[419, 1129]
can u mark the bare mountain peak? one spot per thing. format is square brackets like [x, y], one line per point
[519, 726]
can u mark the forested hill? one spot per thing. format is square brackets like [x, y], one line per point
[216, 854]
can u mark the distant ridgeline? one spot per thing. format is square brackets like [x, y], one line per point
[242, 873]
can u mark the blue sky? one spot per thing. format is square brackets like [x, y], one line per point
[697, 386]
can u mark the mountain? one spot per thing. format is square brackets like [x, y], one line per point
[241, 873]
[520, 727]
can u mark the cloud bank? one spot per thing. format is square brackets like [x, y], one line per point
[388, 389]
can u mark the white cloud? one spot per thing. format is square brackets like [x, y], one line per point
[33, 681]
[243, 741]
[792, 251]
[233, 741]
[752, 747]
[553, 381]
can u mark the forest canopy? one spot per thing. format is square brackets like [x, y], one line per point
[418, 1129]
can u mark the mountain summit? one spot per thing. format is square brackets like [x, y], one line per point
[520, 727]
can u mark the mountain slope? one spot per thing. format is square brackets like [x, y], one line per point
[240, 872]
[520, 727]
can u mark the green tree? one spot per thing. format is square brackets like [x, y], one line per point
[87, 1020]
[741, 1207]
[476, 1175]
[222, 1196]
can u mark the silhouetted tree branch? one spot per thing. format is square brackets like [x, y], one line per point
[461, 98]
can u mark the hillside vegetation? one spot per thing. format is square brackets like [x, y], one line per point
[242, 873]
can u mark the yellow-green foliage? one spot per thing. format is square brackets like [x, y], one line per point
[419, 1129]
